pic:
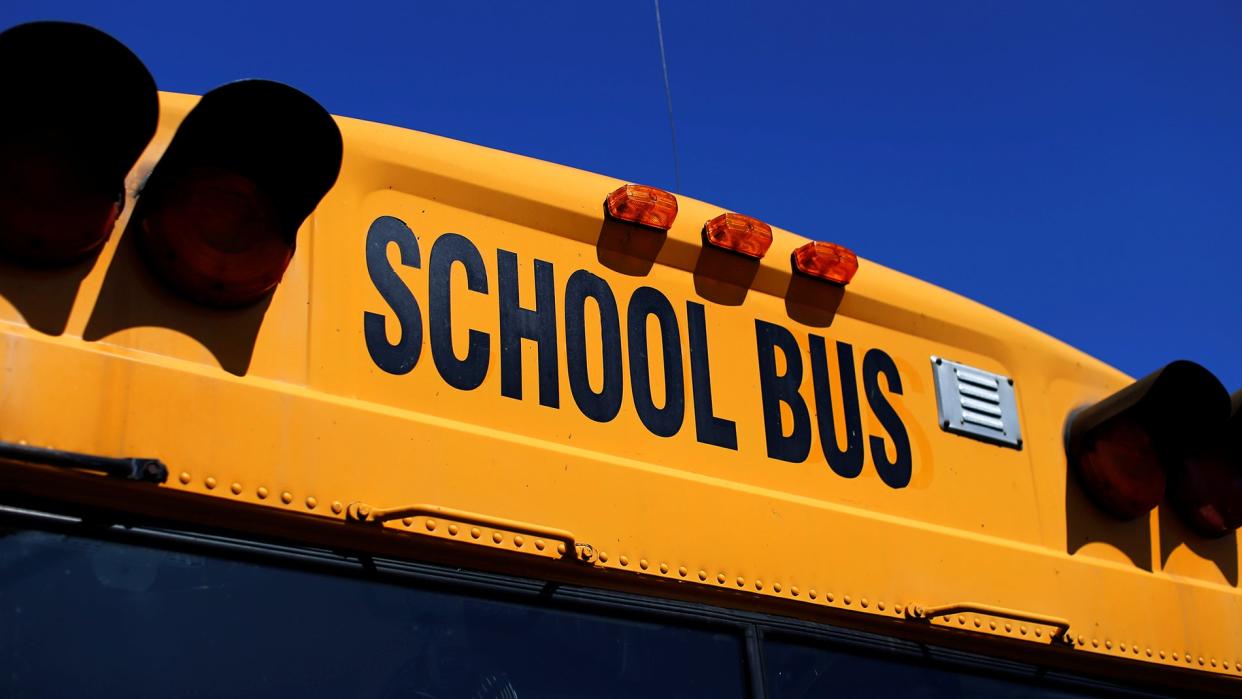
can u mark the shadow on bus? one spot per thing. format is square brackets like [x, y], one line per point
[812, 301]
[628, 248]
[44, 296]
[132, 297]
[723, 277]
[1222, 552]
[1086, 524]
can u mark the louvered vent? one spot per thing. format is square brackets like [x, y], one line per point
[976, 403]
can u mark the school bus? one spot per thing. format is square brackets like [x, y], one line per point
[301, 404]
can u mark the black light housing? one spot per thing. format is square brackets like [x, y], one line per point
[1207, 489]
[79, 110]
[1124, 448]
[219, 216]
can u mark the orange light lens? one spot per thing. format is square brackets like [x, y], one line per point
[827, 261]
[646, 206]
[214, 237]
[741, 234]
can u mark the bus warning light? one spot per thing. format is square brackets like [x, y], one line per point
[219, 216]
[1125, 447]
[827, 261]
[63, 161]
[1207, 490]
[646, 206]
[741, 234]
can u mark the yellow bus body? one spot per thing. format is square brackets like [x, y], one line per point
[276, 418]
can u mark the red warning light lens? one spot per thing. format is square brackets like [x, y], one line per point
[1207, 492]
[52, 212]
[1121, 470]
[827, 261]
[215, 236]
[741, 234]
[646, 206]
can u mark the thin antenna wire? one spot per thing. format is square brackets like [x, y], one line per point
[668, 94]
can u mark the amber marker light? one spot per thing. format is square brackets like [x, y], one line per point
[827, 261]
[646, 206]
[741, 234]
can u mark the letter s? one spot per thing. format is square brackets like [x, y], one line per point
[895, 474]
[398, 358]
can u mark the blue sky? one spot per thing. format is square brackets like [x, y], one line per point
[1077, 165]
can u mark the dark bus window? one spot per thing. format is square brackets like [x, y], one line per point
[797, 671]
[83, 617]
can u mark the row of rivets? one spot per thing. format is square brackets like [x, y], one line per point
[210, 482]
[453, 530]
[898, 610]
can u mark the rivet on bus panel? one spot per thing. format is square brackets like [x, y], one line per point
[642, 563]
[518, 541]
[236, 488]
[603, 557]
[311, 503]
[210, 482]
[475, 533]
[337, 507]
[497, 537]
[741, 582]
[625, 560]
[720, 578]
[185, 477]
[452, 530]
[286, 497]
[664, 568]
[793, 591]
[776, 587]
[845, 599]
[262, 493]
[702, 575]
[539, 545]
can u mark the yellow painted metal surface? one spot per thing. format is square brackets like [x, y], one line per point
[285, 406]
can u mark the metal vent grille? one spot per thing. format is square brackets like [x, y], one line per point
[976, 403]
